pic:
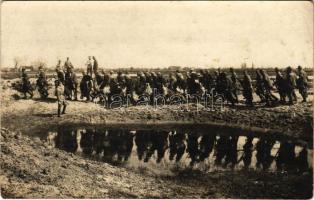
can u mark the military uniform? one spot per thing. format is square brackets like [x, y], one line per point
[89, 66]
[259, 86]
[235, 85]
[26, 85]
[247, 89]
[59, 92]
[42, 84]
[280, 85]
[95, 65]
[290, 84]
[86, 86]
[267, 85]
[302, 83]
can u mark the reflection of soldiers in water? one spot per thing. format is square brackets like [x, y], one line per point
[286, 156]
[206, 145]
[109, 146]
[301, 160]
[141, 140]
[99, 141]
[158, 142]
[66, 140]
[87, 141]
[247, 152]
[263, 153]
[177, 146]
[231, 151]
[193, 147]
[120, 143]
[124, 145]
[221, 149]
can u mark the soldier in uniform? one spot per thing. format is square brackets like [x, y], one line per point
[89, 66]
[235, 88]
[290, 85]
[180, 83]
[121, 80]
[280, 85]
[59, 92]
[95, 65]
[86, 86]
[130, 88]
[160, 82]
[60, 75]
[26, 85]
[260, 86]
[194, 86]
[67, 65]
[302, 83]
[247, 89]
[172, 81]
[227, 88]
[206, 80]
[42, 83]
[71, 84]
[268, 86]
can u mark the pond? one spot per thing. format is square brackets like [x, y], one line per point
[172, 148]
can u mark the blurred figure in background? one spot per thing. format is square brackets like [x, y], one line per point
[302, 83]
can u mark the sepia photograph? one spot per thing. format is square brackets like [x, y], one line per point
[156, 99]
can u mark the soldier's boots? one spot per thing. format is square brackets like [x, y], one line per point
[64, 108]
[59, 111]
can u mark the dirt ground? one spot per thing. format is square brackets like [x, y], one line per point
[29, 169]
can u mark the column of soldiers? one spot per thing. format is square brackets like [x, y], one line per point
[194, 83]
[228, 86]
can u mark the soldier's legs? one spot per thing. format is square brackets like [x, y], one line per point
[290, 97]
[59, 109]
[75, 93]
[30, 92]
[294, 95]
[64, 107]
[303, 92]
[282, 97]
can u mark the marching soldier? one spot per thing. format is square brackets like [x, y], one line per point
[302, 83]
[71, 84]
[247, 89]
[95, 65]
[267, 86]
[290, 85]
[280, 85]
[89, 65]
[26, 85]
[59, 92]
[260, 86]
[42, 83]
[86, 86]
[227, 88]
[234, 78]
[67, 64]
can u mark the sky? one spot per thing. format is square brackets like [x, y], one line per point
[158, 34]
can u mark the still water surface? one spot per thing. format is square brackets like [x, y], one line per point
[169, 149]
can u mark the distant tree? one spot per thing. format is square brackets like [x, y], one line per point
[39, 63]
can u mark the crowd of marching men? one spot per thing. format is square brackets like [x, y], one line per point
[106, 85]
